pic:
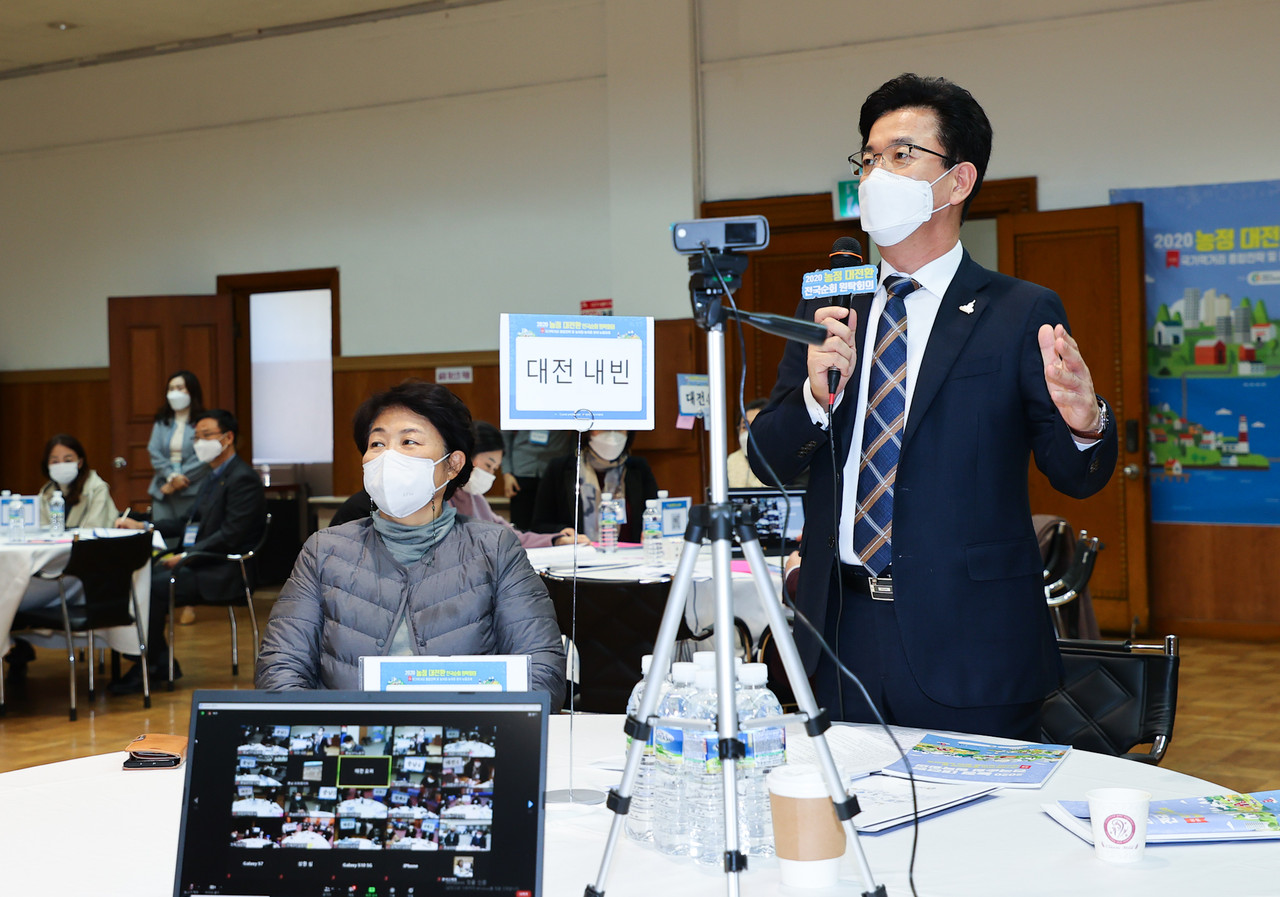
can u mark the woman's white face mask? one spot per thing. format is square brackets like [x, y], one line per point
[894, 206]
[481, 481]
[179, 399]
[64, 472]
[609, 444]
[400, 484]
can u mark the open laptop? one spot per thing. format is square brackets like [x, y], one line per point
[380, 794]
[777, 510]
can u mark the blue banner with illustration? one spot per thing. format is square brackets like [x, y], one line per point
[1213, 271]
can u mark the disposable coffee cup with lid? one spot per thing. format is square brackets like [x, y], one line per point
[808, 838]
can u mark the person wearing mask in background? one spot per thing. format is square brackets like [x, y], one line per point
[415, 577]
[528, 452]
[469, 500]
[88, 504]
[228, 517]
[607, 466]
[177, 469]
[740, 473]
[87, 495]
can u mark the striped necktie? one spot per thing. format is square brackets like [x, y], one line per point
[882, 430]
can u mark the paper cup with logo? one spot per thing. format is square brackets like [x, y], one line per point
[807, 836]
[1118, 817]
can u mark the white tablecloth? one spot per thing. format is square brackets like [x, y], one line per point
[20, 561]
[1002, 846]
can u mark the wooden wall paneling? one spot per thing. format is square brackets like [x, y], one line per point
[678, 457]
[1216, 581]
[35, 405]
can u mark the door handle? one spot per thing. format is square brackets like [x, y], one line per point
[119, 463]
[1132, 471]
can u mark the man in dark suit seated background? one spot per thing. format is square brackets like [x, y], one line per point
[950, 378]
[227, 518]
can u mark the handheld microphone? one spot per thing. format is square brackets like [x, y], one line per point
[846, 277]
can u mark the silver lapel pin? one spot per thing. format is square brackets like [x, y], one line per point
[967, 308]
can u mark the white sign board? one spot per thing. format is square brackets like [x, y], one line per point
[576, 373]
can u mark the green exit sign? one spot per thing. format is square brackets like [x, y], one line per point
[844, 200]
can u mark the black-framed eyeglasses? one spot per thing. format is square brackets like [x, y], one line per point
[895, 157]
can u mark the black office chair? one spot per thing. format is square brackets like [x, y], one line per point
[105, 568]
[1114, 697]
[1070, 584]
[230, 603]
[617, 625]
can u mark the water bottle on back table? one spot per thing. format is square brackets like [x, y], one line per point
[608, 523]
[651, 537]
[57, 514]
[17, 525]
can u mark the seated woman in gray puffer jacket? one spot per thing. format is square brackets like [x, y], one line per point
[416, 577]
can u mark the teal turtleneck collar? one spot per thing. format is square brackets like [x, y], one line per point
[409, 544]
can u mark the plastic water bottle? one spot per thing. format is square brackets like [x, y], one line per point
[651, 537]
[670, 809]
[704, 782]
[608, 523]
[57, 514]
[640, 816]
[17, 525]
[5, 495]
[766, 748]
[671, 545]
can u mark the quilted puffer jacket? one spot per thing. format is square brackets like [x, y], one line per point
[474, 594]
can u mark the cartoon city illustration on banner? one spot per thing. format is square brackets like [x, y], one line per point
[1212, 271]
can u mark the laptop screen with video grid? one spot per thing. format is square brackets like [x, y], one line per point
[377, 794]
[774, 507]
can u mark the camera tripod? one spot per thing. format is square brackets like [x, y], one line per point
[718, 521]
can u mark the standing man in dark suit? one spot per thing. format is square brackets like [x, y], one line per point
[227, 518]
[920, 565]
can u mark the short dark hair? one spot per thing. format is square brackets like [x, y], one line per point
[73, 490]
[444, 410]
[164, 415]
[963, 128]
[488, 438]
[225, 420]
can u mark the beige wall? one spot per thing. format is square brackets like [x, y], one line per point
[524, 155]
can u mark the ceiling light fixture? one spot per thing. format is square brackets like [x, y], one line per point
[63, 26]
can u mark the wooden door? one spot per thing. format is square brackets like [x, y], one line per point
[801, 233]
[150, 338]
[1093, 259]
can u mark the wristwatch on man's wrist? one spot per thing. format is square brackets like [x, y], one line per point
[1104, 417]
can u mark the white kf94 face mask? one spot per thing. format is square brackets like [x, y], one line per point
[893, 206]
[400, 484]
[64, 472]
[609, 444]
[207, 449]
[179, 400]
[480, 481]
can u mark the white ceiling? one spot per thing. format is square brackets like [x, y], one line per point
[110, 29]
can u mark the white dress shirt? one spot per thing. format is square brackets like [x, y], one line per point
[922, 308]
